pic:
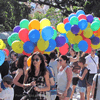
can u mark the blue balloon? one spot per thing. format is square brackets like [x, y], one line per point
[65, 37]
[52, 45]
[79, 12]
[82, 24]
[28, 47]
[95, 40]
[47, 33]
[34, 35]
[92, 36]
[2, 57]
[67, 26]
[75, 29]
[83, 45]
[70, 16]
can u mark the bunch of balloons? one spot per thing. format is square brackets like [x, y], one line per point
[81, 30]
[31, 36]
[3, 50]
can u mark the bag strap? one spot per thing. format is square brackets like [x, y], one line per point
[93, 61]
[96, 80]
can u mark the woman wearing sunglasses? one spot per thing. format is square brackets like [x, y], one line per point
[40, 77]
[64, 79]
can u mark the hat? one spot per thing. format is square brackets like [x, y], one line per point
[8, 79]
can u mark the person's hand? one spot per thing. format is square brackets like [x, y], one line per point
[37, 89]
[65, 94]
[14, 72]
[0, 89]
[91, 96]
[33, 83]
[78, 71]
[77, 75]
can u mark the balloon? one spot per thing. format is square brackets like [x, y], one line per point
[24, 23]
[46, 52]
[77, 39]
[60, 41]
[2, 57]
[81, 17]
[82, 24]
[95, 26]
[29, 61]
[53, 27]
[95, 46]
[89, 18]
[92, 36]
[27, 54]
[1, 43]
[89, 25]
[47, 33]
[65, 20]
[42, 45]
[28, 47]
[83, 45]
[4, 46]
[74, 20]
[95, 40]
[55, 34]
[70, 35]
[98, 32]
[44, 22]
[17, 46]
[80, 31]
[34, 24]
[79, 12]
[71, 15]
[82, 35]
[89, 49]
[64, 49]
[34, 35]
[37, 50]
[23, 34]
[75, 29]
[16, 29]
[76, 48]
[67, 26]
[88, 41]
[65, 37]
[7, 51]
[71, 41]
[60, 28]
[52, 45]
[88, 32]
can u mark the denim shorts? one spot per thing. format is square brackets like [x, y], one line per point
[82, 89]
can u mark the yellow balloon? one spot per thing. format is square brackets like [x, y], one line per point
[22, 42]
[42, 45]
[1, 43]
[89, 25]
[46, 52]
[17, 46]
[80, 31]
[60, 28]
[70, 35]
[77, 39]
[29, 61]
[4, 46]
[71, 41]
[95, 46]
[44, 22]
[88, 32]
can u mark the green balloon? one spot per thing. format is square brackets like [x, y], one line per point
[13, 38]
[74, 20]
[24, 23]
[96, 19]
[76, 48]
[55, 34]
[95, 26]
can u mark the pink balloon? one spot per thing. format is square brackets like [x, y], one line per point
[7, 51]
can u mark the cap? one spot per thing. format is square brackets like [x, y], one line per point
[8, 79]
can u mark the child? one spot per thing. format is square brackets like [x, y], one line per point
[82, 78]
[8, 92]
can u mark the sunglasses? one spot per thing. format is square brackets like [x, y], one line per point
[60, 60]
[36, 59]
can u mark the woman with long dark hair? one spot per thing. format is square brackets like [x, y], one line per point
[39, 74]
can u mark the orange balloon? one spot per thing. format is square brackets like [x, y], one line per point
[29, 61]
[34, 24]
[98, 33]
[36, 49]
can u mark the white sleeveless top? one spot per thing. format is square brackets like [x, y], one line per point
[62, 80]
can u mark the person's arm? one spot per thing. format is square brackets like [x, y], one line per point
[47, 88]
[58, 66]
[84, 73]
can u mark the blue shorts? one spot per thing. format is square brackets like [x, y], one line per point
[82, 89]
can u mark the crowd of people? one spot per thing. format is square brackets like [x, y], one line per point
[50, 77]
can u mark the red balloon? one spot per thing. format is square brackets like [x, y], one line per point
[27, 54]
[65, 20]
[88, 41]
[23, 34]
[81, 17]
[89, 49]
[95, 32]
[7, 51]
[53, 27]
[64, 49]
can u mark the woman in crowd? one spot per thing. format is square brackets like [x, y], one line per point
[19, 78]
[39, 75]
[64, 79]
